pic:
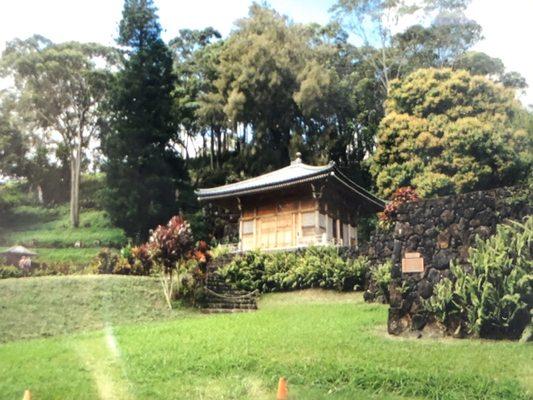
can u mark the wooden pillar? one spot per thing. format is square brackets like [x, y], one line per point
[240, 233]
[339, 227]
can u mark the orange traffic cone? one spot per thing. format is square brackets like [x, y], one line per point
[27, 395]
[283, 391]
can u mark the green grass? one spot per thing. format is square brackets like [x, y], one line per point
[77, 256]
[329, 346]
[49, 227]
[49, 306]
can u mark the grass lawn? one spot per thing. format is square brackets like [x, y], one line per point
[328, 345]
[74, 256]
[49, 227]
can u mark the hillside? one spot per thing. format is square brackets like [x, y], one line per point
[47, 231]
[49, 306]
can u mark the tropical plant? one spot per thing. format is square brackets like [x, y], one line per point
[493, 297]
[322, 267]
[170, 247]
[381, 276]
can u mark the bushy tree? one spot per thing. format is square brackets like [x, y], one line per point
[446, 132]
[59, 89]
[143, 171]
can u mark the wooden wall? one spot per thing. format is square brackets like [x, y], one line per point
[291, 220]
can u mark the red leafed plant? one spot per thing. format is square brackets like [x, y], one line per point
[201, 252]
[400, 196]
[171, 245]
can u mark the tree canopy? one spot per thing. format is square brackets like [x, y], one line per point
[448, 131]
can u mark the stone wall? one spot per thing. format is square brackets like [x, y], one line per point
[442, 230]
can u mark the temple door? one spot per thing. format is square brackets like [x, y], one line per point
[267, 232]
[285, 230]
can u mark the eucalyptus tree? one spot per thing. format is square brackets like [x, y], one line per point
[59, 89]
[408, 34]
[195, 62]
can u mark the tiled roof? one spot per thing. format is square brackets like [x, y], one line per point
[20, 250]
[295, 173]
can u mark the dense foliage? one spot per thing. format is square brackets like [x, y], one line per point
[322, 267]
[143, 173]
[449, 132]
[381, 277]
[494, 297]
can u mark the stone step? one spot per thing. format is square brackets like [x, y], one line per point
[215, 299]
[225, 310]
[232, 306]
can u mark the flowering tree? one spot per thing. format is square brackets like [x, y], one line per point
[171, 245]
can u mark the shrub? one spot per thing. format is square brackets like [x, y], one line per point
[400, 196]
[220, 250]
[245, 272]
[105, 262]
[10, 271]
[130, 261]
[381, 276]
[314, 267]
[494, 297]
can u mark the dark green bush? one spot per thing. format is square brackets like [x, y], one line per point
[494, 297]
[10, 271]
[314, 267]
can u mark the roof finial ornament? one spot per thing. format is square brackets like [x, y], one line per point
[298, 159]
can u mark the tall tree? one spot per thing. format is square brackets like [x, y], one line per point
[59, 90]
[479, 63]
[380, 24]
[143, 172]
[195, 58]
[258, 72]
[447, 132]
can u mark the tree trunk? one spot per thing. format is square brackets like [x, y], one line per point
[219, 145]
[75, 169]
[212, 153]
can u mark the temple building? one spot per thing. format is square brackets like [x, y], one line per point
[295, 206]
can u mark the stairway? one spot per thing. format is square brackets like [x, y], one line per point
[220, 298]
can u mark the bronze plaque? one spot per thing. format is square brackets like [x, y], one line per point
[412, 255]
[411, 265]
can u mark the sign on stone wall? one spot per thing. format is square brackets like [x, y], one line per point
[412, 263]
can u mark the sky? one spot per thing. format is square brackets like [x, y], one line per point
[507, 25]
